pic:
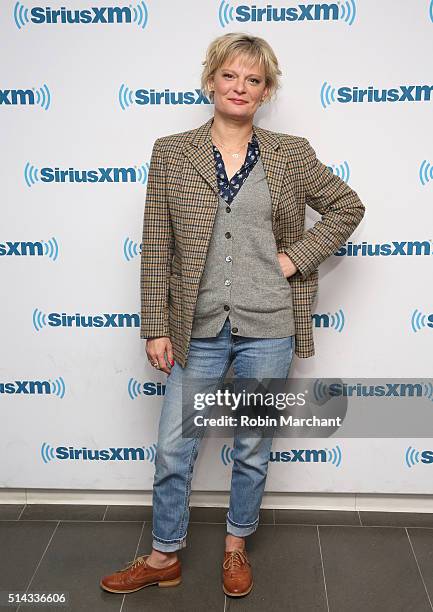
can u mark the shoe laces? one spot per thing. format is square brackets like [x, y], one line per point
[134, 563]
[236, 558]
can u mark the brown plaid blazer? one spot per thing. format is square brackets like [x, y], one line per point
[180, 208]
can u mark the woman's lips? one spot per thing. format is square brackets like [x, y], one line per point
[237, 101]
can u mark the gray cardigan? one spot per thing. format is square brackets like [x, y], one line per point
[242, 278]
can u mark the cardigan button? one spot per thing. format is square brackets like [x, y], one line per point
[227, 235]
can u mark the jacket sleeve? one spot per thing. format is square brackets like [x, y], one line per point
[156, 253]
[341, 211]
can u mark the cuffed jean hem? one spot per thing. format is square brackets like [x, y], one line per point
[240, 530]
[168, 545]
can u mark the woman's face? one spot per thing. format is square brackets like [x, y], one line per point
[239, 87]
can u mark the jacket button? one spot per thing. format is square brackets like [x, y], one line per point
[228, 209]
[228, 235]
[226, 307]
[227, 282]
[235, 330]
[228, 258]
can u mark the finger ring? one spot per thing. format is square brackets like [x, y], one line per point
[155, 364]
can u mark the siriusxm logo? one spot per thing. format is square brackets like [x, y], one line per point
[323, 391]
[343, 11]
[55, 319]
[302, 455]
[413, 457]
[419, 320]
[133, 174]
[144, 97]
[385, 249]
[425, 169]
[37, 15]
[335, 321]
[26, 97]
[131, 249]
[148, 388]
[30, 249]
[35, 387]
[346, 94]
[70, 453]
[342, 170]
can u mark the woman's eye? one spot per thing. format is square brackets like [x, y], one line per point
[227, 75]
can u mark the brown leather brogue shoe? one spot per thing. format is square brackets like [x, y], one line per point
[237, 574]
[138, 574]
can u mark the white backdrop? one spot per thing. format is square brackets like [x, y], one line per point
[71, 99]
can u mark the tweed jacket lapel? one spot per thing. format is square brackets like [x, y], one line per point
[199, 151]
[274, 164]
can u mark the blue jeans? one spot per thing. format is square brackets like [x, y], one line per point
[176, 455]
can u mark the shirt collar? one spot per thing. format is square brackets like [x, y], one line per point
[253, 151]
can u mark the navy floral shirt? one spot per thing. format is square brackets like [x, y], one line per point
[229, 189]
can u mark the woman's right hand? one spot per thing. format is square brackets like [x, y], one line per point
[156, 348]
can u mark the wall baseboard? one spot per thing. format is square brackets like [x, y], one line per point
[304, 501]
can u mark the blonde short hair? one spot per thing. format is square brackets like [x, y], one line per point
[254, 48]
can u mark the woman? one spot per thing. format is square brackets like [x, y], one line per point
[228, 277]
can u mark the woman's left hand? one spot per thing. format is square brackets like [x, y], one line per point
[287, 266]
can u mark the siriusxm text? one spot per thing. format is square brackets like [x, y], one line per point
[402, 93]
[100, 175]
[166, 96]
[385, 249]
[300, 455]
[387, 390]
[105, 454]
[106, 319]
[10, 248]
[26, 387]
[302, 12]
[102, 14]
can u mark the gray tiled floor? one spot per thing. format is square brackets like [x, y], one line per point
[302, 559]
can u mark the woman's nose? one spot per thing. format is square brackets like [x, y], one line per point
[239, 86]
